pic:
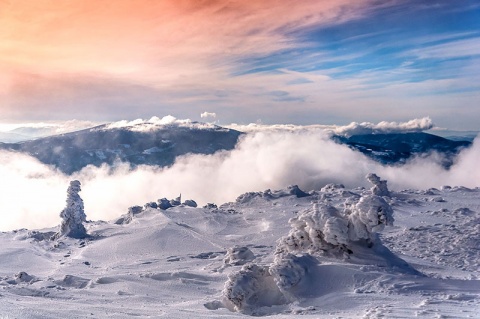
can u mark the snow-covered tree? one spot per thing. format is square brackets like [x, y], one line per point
[369, 216]
[73, 215]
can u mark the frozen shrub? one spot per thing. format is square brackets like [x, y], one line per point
[150, 205]
[295, 190]
[210, 206]
[164, 203]
[269, 194]
[329, 188]
[369, 216]
[325, 228]
[247, 197]
[177, 201]
[238, 256]
[251, 287]
[379, 186]
[319, 228]
[190, 203]
[73, 215]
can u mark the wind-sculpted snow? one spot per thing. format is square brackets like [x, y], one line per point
[323, 230]
[231, 260]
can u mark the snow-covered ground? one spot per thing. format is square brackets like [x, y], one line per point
[187, 262]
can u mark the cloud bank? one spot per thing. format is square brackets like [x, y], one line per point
[415, 125]
[32, 194]
[354, 128]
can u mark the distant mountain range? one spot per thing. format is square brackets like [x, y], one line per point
[152, 145]
[397, 148]
[162, 144]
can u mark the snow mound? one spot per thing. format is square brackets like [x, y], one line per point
[24, 277]
[238, 256]
[251, 287]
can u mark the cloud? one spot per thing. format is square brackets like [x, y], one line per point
[452, 50]
[354, 128]
[32, 194]
[180, 50]
[208, 114]
[416, 125]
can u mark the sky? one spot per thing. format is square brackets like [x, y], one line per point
[269, 61]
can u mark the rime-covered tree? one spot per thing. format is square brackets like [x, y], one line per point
[73, 215]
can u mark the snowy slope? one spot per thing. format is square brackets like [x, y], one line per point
[175, 263]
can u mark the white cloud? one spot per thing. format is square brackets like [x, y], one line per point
[415, 125]
[354, 128]
[33, 194]
[208, 114]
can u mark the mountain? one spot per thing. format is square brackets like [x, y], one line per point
[397, 148]
[11, 137]
[137, 144]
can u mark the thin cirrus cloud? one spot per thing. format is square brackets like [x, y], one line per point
[77, 53]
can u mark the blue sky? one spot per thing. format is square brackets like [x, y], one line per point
[300, 62]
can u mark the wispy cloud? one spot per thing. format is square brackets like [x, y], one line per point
[243, 60]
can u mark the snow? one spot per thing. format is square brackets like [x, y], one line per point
[420, 258]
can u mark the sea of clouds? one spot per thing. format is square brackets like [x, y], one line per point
[33, 194]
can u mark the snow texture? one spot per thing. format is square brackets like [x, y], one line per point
[172, 263]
